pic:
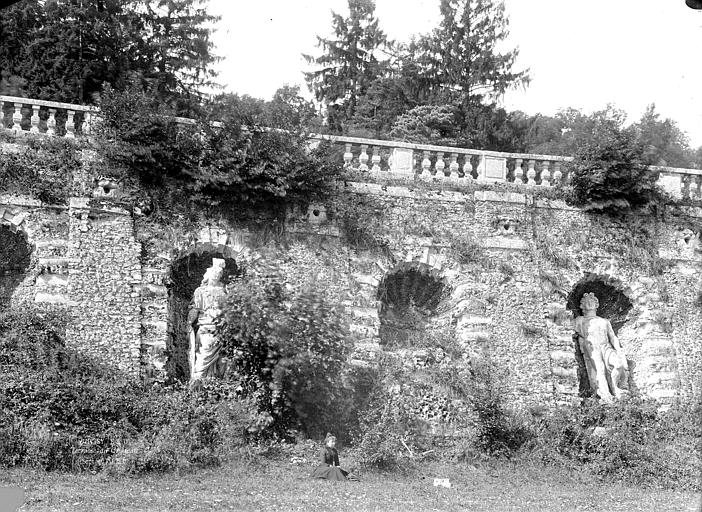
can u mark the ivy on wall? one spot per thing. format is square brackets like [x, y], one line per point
[41, 168]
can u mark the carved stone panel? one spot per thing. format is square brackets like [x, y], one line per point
[402, 161]
[495, 168]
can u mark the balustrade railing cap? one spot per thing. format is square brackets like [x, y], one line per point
[442, 149]
[49, 104]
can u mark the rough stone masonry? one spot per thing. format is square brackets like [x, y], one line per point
[501, 270]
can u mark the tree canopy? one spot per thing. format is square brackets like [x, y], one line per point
[350, 62]
[457, 65]
[67, 50]
[460, 59]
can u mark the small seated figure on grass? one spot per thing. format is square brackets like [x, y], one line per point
[329, 468]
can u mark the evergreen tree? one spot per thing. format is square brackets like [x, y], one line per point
[178, 39]
[67, 50]
[17, 27]
[350, 61]
[460, 61]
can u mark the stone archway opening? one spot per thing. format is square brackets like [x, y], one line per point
[614, 305]
[409, 297]
[15, 258]
[185, 276]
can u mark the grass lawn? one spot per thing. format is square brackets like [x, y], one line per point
[285, 486]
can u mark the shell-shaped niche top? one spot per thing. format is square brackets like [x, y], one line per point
[412, 285]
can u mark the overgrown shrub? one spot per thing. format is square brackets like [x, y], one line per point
[41, 168]
[467, 249]
[224, 155]
[390, 434]
[629, 440]
[394, 431]
[62, 411]
[609, 170]
[287, 352]
[501, 432]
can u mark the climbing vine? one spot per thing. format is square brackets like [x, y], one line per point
[41, 168]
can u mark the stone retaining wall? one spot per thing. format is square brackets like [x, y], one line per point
[508, 262]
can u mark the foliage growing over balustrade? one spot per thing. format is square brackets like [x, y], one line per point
[609, 171]
[41, 168]
[232, 153]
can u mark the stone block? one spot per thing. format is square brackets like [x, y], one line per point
[566, 356]
[568, 374]
[503, 242]
[363, 330]
[46, 280]
[465, 320]
[366, 280]
[359, 312]
[501, 197]
[662, 393]
[52, 298]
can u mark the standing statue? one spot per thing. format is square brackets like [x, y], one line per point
[205, 348]
[604, 356]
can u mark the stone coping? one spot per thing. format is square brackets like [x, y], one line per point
[49, 104]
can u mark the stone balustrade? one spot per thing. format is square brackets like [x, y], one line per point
[459, 165]
[680, 183]
[24, 115]
[377, 157]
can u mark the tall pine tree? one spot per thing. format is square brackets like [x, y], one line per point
[460, 62]
[178, 39]
[350, 62]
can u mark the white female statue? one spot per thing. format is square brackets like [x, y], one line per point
[604, 356]
[204, 346]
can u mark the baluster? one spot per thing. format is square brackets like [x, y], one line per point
[87, 123]
[686, 186]
[518, 171]
[453, 166]
[439, 165]
[426, 165]
[348, 156]
[70, 125]
[35, 119]
[468, 168]
[17, 118]
[481, 167]
[695, 183]
[375, 160]
[51, 122]
[531, 173]
[557, 174]
[363, 158]
[545, 174]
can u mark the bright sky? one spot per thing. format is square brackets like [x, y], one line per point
[582, 54]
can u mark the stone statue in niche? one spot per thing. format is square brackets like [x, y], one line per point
[604, 356]
[205, 348]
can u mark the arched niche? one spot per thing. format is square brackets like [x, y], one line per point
[614, 305]
[186, 273]
[409, 296]
[614, 302]
[15, 258]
